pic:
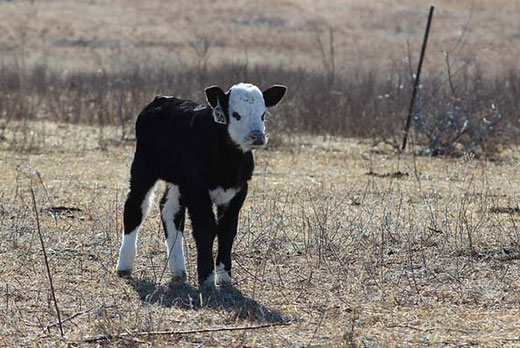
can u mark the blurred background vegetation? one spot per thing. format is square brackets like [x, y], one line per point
[349, 64]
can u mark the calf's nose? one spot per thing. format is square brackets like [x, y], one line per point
[258, 138]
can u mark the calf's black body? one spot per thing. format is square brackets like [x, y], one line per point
[179, 142]
[204, 155]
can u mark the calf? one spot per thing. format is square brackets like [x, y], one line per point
[203, 153]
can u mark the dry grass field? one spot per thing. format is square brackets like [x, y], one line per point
[82, 34]
[342, 241]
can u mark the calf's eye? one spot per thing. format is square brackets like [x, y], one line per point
[263, 116]
[236, 115]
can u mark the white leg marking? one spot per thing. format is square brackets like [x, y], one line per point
[146, 205]
[219, 196]
[175, 245]
[175, 239]
[222, 276]
[127, 252]
[128, 249]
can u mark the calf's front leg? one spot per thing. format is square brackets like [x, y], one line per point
[204, 228]
[226, 231]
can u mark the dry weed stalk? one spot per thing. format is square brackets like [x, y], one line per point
[49, 274]
[131, 335]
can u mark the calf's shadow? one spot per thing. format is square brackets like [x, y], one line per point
[185, 296]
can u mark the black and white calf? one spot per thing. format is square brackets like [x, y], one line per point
[203, 153]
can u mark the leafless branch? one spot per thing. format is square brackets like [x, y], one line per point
[73, 316]
[176, 332]
[47, 264]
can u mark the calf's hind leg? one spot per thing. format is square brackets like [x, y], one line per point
[172, 215]
[136, 208]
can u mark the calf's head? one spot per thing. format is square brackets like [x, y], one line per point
[242, 108]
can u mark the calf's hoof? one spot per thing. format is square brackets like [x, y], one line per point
[208, 282]
[222, 277]
[126, 273]
[179, 277]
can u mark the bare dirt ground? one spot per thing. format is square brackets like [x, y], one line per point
[340, 243]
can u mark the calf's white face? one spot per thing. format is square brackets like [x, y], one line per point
[246, 112]
[243, 109]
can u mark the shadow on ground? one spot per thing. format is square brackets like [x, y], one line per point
[183, 295]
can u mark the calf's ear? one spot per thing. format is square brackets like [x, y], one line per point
[273, 95]
[214, 94]
[217, 99]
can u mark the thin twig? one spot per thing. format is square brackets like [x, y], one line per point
[46, 263]
[450, 79]
[86, 311]
[465, 29]
[409, 59]
[316, 330]
[48, 197]
[426, 329]
[176, 332]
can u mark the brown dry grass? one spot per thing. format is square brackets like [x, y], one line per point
[93, 34]
[348, 243]
[428, 257]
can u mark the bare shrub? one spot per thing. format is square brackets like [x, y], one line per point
[463, 117]
[362, 103]
[457, 130]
